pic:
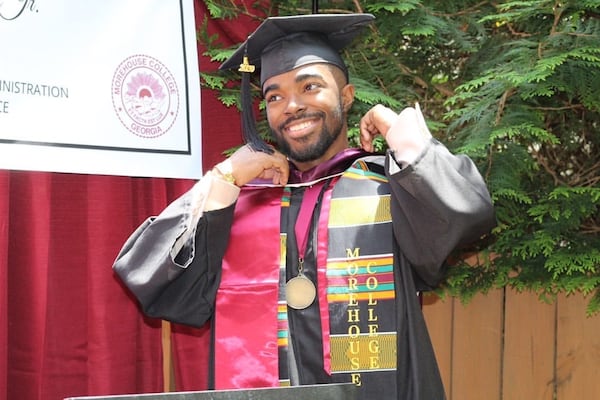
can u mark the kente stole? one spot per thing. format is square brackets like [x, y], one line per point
[355, 286]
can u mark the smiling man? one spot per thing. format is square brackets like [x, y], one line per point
[307, 257]
[306, 109]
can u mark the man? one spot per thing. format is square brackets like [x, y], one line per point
[308, 259]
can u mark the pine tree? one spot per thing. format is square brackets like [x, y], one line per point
[513, 84]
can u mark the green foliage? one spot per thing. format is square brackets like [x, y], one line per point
[514, 84]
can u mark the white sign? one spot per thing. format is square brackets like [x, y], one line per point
[100, 87]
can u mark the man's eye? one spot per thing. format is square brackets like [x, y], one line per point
[272, 98]
[312, 86]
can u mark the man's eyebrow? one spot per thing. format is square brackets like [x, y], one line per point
[270, 87]
[299, 79]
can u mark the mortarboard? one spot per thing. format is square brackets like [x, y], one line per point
[281, 44]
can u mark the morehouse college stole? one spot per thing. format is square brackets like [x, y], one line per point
[360, 282]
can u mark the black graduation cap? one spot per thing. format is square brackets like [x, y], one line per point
[281, 44]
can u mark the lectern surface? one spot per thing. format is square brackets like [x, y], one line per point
[344, 391]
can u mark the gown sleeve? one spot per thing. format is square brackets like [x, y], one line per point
[439, 202]
[177, 287]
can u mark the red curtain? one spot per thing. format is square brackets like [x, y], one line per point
[67, 326]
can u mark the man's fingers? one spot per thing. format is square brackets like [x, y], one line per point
[367, 133]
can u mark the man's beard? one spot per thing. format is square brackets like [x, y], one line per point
[326, 137]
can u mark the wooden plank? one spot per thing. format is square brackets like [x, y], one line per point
[477, 342]
[438, 316]
[167, 354]
[578, 350]
[529, 347]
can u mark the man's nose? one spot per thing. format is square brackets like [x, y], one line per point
[294, 105]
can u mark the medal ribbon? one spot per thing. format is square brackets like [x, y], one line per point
[303, 223]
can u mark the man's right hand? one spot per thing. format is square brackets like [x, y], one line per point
[246, 165]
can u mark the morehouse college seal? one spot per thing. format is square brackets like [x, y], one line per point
[145, 96]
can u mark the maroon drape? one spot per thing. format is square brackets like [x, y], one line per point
[67, 326]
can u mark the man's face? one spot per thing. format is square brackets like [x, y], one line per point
[306, 110]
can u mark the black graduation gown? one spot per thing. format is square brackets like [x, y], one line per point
[438, 203]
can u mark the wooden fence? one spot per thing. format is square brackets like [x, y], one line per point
[510, 346]
[504, 346]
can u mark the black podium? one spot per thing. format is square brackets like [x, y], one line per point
[337, 391]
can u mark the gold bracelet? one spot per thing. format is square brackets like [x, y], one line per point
[226, 176]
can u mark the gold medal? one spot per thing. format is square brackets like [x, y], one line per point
[300, 292]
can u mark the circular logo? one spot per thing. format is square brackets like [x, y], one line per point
[145, 96]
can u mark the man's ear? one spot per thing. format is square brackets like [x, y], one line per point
[347, 96]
